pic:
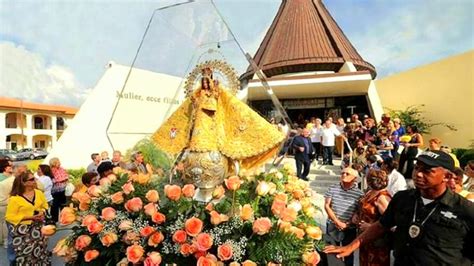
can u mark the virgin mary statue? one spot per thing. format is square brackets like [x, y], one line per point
[215, 130]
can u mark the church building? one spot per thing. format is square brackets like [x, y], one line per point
[312, 67]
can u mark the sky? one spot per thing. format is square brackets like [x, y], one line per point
[55, 51]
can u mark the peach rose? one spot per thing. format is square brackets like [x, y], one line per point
[88, 219]
[48, 230]
[112, 177]
[224, 252]
[179, 236]
[142, 178]
[289, 215]
[188, 190]
[234, 263]
[152, 196]
[130, 237]
[150, 209]
[277, 207]
[233, 182]
[153, 259]
[193, 226]
[218, 192]
[134, 205]
[117, 197]
[206, 261]
[246, 213]
[108, 239]
[83, 206]
[147, 230]
[281, 197]
[298, 194]
[94, 191]
[249, 263]
[203, 242]
[209, 207]
[135, 253]
[314, 232]
[155, 239]
[125, 225]
[261, 226]
[173, 192]
[67, 216]
[217, 218]
[108, 214]
[91, 255]
[82, 242]
[81, 197]
[95, 227]
[284, 226]
[105, 182]
[128, 188]
[158, 218]
[311, 258]
[298, 232]
[187, 249]
[262, 188]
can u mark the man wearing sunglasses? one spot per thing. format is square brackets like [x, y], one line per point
[434, 226]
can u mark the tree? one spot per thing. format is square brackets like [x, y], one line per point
[414, 115]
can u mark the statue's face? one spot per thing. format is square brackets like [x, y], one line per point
[205, 84]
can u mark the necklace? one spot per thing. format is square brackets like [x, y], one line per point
[415, 228]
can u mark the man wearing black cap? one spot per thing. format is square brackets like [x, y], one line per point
[434, 226]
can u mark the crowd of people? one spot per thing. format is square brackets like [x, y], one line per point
[393, 195]
[30, 200]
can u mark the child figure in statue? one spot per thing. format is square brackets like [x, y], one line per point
[214, 129]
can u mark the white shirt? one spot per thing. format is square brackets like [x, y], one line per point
[396, 182]
[5, 189]
[47, 186]
[316, 134]
[329, 136]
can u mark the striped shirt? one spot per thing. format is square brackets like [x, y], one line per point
[344, 203]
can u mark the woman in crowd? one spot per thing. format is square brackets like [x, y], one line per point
[25, 216]
[396, 181]
[315, 134]
[469, 171]
[60, 181]
[370, 130]
[372, 206]
[409, 153]
[455, 183]
[394, 138]
[45, 177]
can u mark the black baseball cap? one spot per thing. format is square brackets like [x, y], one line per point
[437, 159]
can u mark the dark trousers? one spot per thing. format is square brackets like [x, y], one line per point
[407, 157]
[327, 154]
[302, 168]
[59, 199]
[341, 238]
[317, 150]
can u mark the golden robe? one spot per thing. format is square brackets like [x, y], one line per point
[225, 124]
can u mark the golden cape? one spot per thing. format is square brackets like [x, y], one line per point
[235, 130]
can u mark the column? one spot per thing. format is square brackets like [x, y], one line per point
[3, 132]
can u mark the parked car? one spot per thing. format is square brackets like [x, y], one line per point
[31, 154]
[8, 154]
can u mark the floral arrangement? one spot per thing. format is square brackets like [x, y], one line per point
[259, 219]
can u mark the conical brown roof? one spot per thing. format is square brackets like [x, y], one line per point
[305, 37]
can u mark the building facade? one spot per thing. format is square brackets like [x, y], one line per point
[32, 125]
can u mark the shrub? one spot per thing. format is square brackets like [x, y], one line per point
[75, 175]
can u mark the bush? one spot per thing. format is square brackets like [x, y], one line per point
[152, 155]
[414, 115]
[75, 175]
[33, 165]
[466, 157]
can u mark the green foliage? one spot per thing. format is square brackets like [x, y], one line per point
[278, 247]
[466, 157]
[152, 155]
[75, 175]
[414, 115]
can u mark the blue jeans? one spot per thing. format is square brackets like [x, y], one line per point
[341, 238]
[327, 154]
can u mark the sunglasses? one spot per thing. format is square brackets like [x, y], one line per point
[29, 179]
